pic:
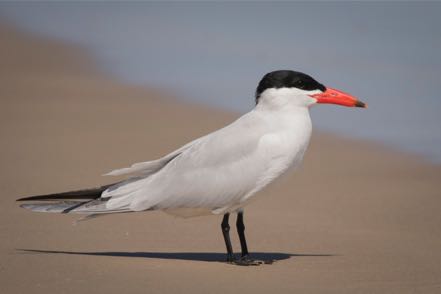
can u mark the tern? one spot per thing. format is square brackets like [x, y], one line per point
[219, 173]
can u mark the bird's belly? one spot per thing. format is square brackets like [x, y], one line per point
[188, 212]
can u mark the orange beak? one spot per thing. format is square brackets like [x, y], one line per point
[334, 96]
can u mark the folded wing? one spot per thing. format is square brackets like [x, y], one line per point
[206, 173]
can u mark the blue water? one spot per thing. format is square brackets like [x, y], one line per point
[387, 54]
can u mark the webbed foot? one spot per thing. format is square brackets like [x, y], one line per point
[248, 261]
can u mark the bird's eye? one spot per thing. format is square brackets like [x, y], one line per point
[300, 84]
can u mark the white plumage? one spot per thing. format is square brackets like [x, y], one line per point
[220, 172]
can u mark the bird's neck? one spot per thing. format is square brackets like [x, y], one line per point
[291, 128]
[290, 114]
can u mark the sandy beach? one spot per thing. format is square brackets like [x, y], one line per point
[356, 218]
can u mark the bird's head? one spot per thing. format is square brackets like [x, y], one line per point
[287, 87]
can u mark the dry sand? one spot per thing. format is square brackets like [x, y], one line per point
[357, 218]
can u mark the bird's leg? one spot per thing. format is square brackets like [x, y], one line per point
[241, 231]
[226, 232]
[245, 258]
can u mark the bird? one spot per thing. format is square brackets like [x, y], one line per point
[219, 173]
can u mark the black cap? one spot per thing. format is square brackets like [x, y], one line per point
[287, 79]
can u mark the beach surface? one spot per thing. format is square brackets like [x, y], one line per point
[356, 218]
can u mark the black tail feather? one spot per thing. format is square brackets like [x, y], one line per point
[86, 194]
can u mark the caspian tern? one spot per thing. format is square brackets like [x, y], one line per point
[219, 173]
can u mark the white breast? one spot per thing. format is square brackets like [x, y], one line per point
[284, 147]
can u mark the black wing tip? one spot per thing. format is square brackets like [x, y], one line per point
[39, 197]
[60, 197]
[86, 194]
[29, 198]
[24, 199]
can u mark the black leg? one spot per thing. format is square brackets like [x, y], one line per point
[241, 231]
[245, 259]
[226, 232]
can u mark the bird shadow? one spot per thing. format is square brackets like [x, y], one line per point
[192, 256]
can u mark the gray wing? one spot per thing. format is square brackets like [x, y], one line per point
[150, 167]
[208, 172]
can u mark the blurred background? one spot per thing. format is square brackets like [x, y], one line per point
[88, 87]
[387, 54]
